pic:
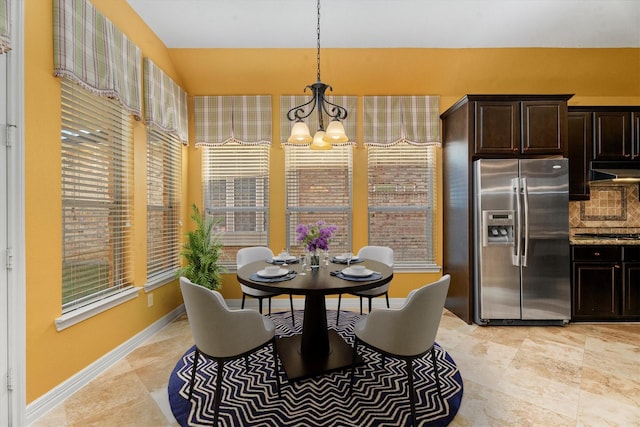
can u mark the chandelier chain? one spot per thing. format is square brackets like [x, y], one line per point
[318, 33]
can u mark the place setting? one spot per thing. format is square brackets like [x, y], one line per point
[283, 258]
[273, 273]
[357, 273]
[346, 258]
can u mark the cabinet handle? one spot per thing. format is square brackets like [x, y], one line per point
[627, 155]
[596, 253]
[617, 266]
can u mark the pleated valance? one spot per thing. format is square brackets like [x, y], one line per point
[5, 26]
[90, 51]
[389, 120]
[242, 119]
[165, 103]
[289, 101]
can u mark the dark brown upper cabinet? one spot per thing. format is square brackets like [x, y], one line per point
[520, 127]
[612, 135]
[580, 153]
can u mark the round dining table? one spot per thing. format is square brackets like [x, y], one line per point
[318, 349]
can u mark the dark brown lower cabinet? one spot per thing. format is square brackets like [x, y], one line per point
[631, 286]
[606, 283]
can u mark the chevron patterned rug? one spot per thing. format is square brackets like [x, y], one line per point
[380, 395]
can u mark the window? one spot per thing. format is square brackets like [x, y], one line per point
[401, 193]
[401, 134]
[318, 186]
[236, 194]
[164, 160]
[97, 192]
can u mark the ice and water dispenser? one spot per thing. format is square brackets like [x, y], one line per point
[498, 227]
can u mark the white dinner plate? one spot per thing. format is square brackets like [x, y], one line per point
[350, 272]
[341, 258]
[279, 273]
[289, 258]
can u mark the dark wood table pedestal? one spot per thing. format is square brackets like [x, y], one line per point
[318, 350]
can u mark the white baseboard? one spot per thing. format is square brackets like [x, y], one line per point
[61, 392]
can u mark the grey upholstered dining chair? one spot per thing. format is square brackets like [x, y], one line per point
[222, 334]
[382, 254]
[407, 333]
[249, 255]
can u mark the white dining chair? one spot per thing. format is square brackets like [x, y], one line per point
[251, 254]
[382, 254]
[222, 335]
[407, 333]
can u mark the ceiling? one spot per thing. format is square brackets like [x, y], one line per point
[393, 23]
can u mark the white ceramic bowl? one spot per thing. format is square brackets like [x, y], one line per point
[357, 268]
[272, 270]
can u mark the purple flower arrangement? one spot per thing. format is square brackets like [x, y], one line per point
[315, 236]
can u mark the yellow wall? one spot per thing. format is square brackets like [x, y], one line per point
[596, 76]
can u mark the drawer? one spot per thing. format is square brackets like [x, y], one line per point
[596, 253]
[631, 253]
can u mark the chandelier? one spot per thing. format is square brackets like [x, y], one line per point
[335, 131]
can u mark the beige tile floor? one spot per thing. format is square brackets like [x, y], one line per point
[578, 375]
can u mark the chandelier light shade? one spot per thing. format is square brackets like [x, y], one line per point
[319, 141]
[300, 133]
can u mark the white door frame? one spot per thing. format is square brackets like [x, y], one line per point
[12, 264]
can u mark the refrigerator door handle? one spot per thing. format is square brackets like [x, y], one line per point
[515, 256]
[525, 198]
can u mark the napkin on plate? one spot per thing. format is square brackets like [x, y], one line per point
[280, 261]
[344, 261]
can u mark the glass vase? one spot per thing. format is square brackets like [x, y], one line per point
[314, 260]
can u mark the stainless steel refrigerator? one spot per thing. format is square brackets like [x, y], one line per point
[521, 222]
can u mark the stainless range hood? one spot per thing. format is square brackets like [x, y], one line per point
[617, 171]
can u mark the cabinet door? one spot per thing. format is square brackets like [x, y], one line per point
[596, 290]
[612, 135]
[635, 136]
[631, 304]
[580, 140]
[497, 128]
[542, 127]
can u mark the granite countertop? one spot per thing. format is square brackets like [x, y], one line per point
[576, 239]
[590, 241]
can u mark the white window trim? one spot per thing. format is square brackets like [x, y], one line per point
[83, 313]
[160, 280]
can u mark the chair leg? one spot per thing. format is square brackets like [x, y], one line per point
[360, 305]
[260, 305]
[354, 356]
[193, 373]
[218, 396]
[269, 298]
[243, 298]
[293, 319]
[277, 371]
[412, 394]
[338, 315]
[370, 298]
[386, 295]
[435, 370]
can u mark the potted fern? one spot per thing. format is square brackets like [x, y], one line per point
[202, 252]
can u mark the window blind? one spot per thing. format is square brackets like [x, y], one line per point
[164, 171]
[318, 187]
[402, 199]
[97, 193]
[236, 192]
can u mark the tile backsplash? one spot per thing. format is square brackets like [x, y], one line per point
[610, 206]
